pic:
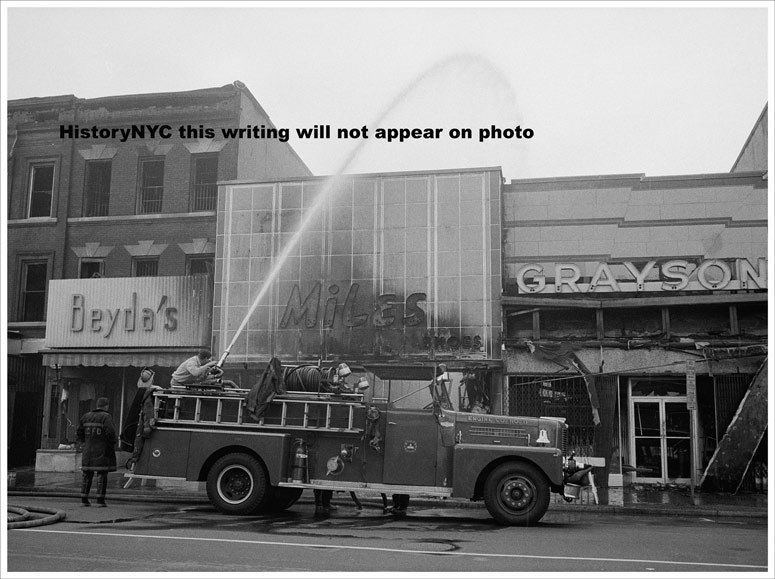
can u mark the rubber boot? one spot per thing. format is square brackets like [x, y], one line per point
[322, 503]
[88, 475]
[102, 487]
[400, 503]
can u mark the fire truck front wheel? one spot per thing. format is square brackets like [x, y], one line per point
[516, 494]
[237, 484]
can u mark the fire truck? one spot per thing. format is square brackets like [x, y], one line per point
[340, 441]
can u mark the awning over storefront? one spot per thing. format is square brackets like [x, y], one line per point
[125, 357]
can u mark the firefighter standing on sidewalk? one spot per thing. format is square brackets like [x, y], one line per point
[98, 434]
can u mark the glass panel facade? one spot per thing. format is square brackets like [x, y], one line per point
[360, 266]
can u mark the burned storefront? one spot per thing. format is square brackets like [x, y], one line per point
[636, 307]
[395, 274]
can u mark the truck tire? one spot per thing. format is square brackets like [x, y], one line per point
[237, 484]
[283, 498]
[516, 494]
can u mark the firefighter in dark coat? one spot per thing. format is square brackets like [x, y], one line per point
[98, 434]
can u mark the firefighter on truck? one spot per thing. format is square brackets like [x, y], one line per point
[307, 427]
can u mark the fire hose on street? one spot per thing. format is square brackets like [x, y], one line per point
[23, 517]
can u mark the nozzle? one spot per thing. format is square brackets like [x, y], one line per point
[222, 359]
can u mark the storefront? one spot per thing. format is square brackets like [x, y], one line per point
[101, 332]
[391, 273]
[636, 308]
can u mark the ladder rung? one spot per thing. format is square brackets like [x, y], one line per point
[219, 410]
[306, 415]
[350, 418]
[328, 416]
[239, 412]
[176, 414]
[284, 415]
[198, 411]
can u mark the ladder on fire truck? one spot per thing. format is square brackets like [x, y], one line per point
[321, 412]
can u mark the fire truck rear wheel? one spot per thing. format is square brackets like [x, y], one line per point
[237, 484]
[516, 494]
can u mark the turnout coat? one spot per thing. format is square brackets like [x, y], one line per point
[96, 430]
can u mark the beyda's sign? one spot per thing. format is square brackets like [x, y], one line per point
[105, 321]
[128, 312]
[672, 275]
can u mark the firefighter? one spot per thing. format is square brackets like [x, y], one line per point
[98, 435]
[199, 370]
[323, 503]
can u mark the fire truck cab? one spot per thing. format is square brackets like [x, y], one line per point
[342, 442]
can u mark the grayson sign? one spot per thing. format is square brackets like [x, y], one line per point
[128, 312]
[673, 275]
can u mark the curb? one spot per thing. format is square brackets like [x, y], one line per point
[618, 510]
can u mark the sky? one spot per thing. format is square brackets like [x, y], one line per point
[660, 90]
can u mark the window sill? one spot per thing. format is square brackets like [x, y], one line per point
[143, 217]
[32, 222]
[15, 325]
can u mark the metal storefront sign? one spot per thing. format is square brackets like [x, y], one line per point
[136, 312]
[654, 276]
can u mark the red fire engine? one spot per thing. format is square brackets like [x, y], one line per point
[335, 440]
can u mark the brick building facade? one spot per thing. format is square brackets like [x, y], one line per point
[93, 208]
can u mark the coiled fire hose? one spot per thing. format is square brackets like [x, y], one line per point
[23, 517]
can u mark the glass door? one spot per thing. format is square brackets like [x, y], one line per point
[677, 441]
[647, 439]
[660, 432]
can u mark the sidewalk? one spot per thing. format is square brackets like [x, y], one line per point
[633, 500]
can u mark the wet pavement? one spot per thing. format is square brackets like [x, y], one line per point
[633, 499]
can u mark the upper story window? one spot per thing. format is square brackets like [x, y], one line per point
[97, 193]
[199, 265]
[33, 295]
[41, 190]
[146, 267]
[91, 268]
[151, 185]
[205, 194]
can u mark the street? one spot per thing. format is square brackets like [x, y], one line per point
[155, 537]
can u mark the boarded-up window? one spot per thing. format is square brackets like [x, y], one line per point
[752, 318]
[519, 324]
[568, 323]
[700, 320]
[632, 322]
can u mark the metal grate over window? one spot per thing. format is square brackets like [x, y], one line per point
[151, 185]
[205, 187]
[563, 398]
